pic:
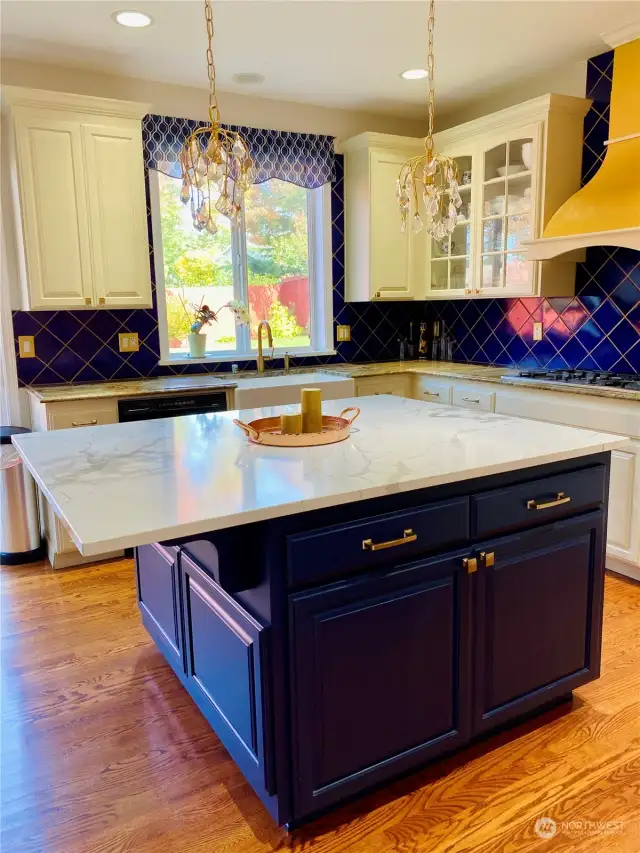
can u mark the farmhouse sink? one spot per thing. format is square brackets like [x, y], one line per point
[259, 391]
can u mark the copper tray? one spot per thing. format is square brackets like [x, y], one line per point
[267, 431]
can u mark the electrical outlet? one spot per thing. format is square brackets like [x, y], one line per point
[27, 346]
[343, 333]
[128, 342]
[537, 331]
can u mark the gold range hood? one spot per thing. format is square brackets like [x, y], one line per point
[606, 210]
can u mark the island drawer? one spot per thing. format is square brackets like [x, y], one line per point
[378, 540]
[538, 501]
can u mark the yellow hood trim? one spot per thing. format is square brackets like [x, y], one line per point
[606, 211]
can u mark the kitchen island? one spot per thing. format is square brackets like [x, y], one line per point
[343, 614]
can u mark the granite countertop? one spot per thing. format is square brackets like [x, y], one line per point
[447, 370]
[121, 485]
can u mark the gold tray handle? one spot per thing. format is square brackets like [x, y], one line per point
[249, 430]
[561, 498]
[370, 545]
[353, 417]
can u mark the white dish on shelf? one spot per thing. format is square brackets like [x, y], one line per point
[527, 154]
[513, 169]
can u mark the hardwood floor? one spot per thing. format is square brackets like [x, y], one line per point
[103, 751]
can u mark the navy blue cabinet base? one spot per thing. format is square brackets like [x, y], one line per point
[333, 650]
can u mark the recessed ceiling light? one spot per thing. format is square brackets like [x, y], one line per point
[415, 74]
[248, 77]
[129, 18]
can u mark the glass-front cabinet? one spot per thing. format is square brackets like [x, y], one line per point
[515, 169]
[507, 211]
[451, 259]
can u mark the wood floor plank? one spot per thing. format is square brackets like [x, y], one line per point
[102, 750]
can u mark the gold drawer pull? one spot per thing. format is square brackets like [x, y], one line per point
[432, 393]
[561, 498]
[471, 399]
[370, 545]
[92, 422]
[487, 558]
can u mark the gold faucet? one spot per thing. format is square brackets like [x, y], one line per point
[261, 359]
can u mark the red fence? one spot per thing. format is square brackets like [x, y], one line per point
[292, 292]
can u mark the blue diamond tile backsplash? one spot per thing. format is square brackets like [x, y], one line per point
[82, 346]
[598, 329]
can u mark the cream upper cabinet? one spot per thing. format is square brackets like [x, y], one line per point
[516, 168]
[117, 215]
[57, 258]
[79, 199]
[381, 262]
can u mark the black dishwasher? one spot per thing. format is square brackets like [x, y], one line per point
[150, 408]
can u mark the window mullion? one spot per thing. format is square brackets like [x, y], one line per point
[240, 287]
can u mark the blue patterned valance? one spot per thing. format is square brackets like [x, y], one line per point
[306, 159]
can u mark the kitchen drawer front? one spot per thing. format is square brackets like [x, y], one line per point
[354, 547]
[397, 385]
[538, 501]
[469, 398]
[73, 415]
[433, 392]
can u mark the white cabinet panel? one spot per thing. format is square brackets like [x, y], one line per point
[53, 211]
[119, 240]
[380, 261]
[623, 534]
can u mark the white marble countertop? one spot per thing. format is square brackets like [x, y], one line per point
[121, 485]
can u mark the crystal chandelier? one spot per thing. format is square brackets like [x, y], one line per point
[430, 175]
[216, 165]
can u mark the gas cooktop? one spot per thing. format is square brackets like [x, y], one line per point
[627, 381]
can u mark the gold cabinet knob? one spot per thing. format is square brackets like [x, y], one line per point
[470, 564]
[487, 558]
[101, 300]
[87, 300]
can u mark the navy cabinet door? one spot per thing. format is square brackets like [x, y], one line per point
[380, 670]
[538, 612]
[227, 662]
[158, 598]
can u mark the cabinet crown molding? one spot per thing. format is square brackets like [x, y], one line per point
[17, 96]
[384, 141]
[535, 109]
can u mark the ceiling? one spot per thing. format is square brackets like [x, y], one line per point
[334, 53]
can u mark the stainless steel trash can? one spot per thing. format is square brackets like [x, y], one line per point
[20, 540]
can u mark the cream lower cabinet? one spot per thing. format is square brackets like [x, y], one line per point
[79, 200]
[623, 536]
[61, 550]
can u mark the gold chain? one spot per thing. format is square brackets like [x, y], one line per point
[214, 112]
[430, 70]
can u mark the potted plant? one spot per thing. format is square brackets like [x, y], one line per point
[201, 315]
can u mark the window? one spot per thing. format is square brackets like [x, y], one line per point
[276, 260]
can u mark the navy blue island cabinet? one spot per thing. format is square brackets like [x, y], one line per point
[333, 650]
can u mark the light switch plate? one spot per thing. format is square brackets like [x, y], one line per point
[128, 342]
[27, 346]
[343, 333]
[537, 331]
